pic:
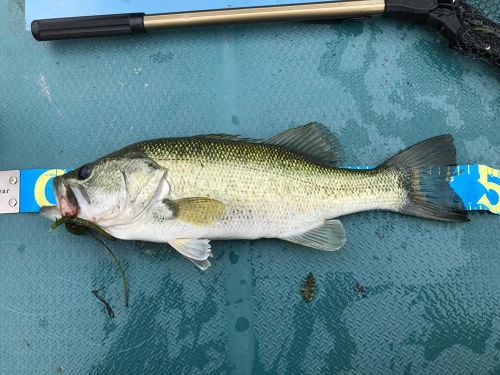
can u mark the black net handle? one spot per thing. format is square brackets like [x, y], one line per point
[467, 29]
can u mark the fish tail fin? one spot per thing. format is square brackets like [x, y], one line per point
[425, 170]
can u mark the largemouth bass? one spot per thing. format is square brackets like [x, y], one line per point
[188, 191]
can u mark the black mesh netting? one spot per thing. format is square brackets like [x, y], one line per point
[479, 35]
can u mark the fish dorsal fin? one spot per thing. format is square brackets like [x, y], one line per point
[328, 236]
[314, 141]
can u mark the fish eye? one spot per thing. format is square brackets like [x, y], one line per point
[84, 172]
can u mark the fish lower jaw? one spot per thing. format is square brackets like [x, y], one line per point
[50, 212]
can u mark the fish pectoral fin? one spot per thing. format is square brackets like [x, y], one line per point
[312, 140]
[196, 210]
[197, 250]
[329, 236]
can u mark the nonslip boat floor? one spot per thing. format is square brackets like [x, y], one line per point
[404, 295]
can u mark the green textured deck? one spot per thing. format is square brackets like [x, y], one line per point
[432, 290]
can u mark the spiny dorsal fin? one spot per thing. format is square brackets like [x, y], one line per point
[229, 137]
[313, 140]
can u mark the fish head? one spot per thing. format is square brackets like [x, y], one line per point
[110, 191]
[93, 192]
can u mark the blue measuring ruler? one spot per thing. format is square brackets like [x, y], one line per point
[477, 185]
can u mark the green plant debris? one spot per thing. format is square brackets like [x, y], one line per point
[486, 30]
[106, 304]
[360, 289]
[120, 267]
[308, 288]
[76, 225]
[59, 222]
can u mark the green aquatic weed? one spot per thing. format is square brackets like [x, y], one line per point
[486, 30]
[79, 226]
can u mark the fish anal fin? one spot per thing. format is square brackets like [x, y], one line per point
[328, 236]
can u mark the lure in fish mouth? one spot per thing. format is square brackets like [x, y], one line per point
[188, 191]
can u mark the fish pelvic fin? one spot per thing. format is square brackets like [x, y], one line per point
[196, 250]
[426, 170]
[328, 236]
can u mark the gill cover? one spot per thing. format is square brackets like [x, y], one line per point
[117, 190]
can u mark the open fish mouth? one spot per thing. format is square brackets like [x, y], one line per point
[66, 199]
